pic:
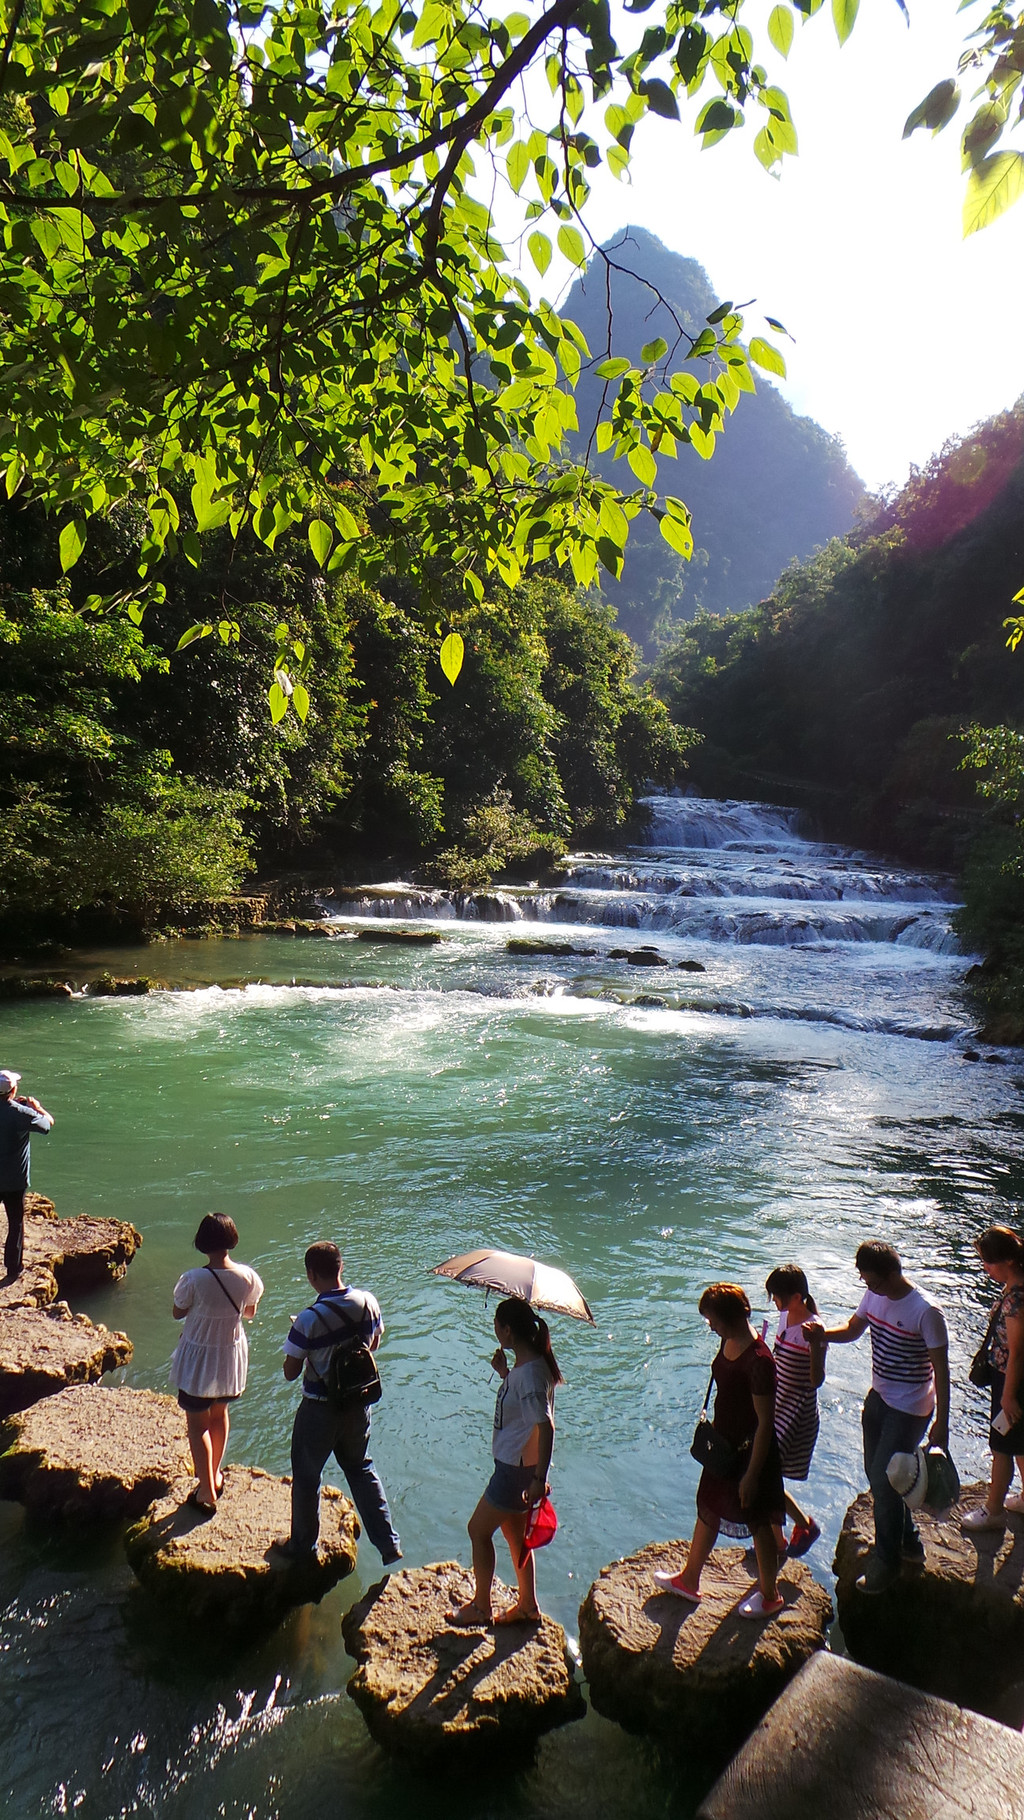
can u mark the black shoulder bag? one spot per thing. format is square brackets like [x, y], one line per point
[713, 1450]
[982, 1372]
[351, 1377]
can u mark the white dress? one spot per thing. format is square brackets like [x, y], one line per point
[212, 1356]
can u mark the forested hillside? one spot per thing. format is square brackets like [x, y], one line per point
[777, 487]
[851, 688]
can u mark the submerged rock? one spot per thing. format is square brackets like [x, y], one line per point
[95, 1452]
[699, 1677]
[850, 1745]
[691, 966]
[638, 957]
[107, 985]
[224, 1567]
[22, 986]
[954, 1627]
[43, 1350]
[529, 944]
[432, 1691]
[83, 1252]
[419, 938]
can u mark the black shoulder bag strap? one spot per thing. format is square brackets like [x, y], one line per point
[225, 1288]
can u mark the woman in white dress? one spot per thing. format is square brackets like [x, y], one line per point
[799, 1375]
[211, 1358]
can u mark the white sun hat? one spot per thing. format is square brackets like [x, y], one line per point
[925, 1478]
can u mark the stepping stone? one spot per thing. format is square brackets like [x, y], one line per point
[43, 1350]
[696, 1676]
[954, 1628]
[434, 1692]
[850, 1745]
[95, 1452]
[84, 1253]
[34, 1288]
[223, 1568]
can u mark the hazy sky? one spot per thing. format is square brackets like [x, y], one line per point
[905, 332]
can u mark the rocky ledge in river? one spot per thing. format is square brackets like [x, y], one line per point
[223, 1567]
[95, 1453]
[83, 1252]
[43, 1350]
[954, 1627]
[435, 1692]
[698, 1677]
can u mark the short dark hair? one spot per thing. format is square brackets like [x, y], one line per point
[727, 1300]
[323, 1259]
[882, 1260]
[217, 1232]
[1000, 1245]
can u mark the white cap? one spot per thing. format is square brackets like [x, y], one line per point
[907, 1473]
[8, 1082]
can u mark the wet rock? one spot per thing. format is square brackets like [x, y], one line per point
[318, 928]
[224, 1568]
[34, 986]
[36, 1287]
[1005, 1029]
[649, 1001]
[106, 985]
[954, 1628]
[638, 957]
[95, 1453]
[82, 1252]
[435, 1692]
[970, 1055]
[695, 1675]
[418, 938]
[522, 944]
[851, 1745]
[43, 1350]
[691, 966]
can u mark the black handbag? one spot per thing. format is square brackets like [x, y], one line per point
[711, 1449]
[982, 1373]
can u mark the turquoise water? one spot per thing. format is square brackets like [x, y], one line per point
[422, 1102]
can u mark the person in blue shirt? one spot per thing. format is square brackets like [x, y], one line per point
[340, 1317]
[20, 1116]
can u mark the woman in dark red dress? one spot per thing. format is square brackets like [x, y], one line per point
[753, 1499]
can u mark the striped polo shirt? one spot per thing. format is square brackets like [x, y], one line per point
[339, 1317]
[901, 1334]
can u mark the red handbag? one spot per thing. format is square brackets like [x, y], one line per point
[540, 1527]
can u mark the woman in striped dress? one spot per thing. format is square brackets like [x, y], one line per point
[799, 1372]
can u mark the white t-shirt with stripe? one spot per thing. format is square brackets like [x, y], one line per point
[902, 1332]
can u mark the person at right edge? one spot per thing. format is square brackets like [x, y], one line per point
[340, 1316]
[20, 1116]
[909, 1389]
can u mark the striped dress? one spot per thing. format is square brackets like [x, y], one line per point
[796, 1400]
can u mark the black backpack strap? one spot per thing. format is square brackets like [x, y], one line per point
[224, 1287]
[337, 1339]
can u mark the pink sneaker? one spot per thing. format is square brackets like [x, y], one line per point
[755, 1605]
[673, 1583]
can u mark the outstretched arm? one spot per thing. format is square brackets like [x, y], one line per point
[836, 1336]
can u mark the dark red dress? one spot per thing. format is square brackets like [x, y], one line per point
[737, 1383]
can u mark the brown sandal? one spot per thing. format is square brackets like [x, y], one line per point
[514, 1614]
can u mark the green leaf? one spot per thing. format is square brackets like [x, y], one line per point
[517, 163]
[643, 464]
[570, 243]
[453, 651]
[278, 702]
[660, 99]
[936, 110]
[677, 535]
[652, 351]
[540, 251]
[613, 368]
[321, 538]
[717, 315]
[189, 637]
[992, 187]
[72, 543]
[300, 700]
[764, 355]
[780, 29]
[844, 15]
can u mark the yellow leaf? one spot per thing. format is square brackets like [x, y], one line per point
[992, 186]
[453, 651]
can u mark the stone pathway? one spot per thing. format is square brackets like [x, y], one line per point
[95, 1453]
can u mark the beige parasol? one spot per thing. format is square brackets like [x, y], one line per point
[538, 1283]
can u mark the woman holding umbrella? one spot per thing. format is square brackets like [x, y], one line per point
[524, 1433]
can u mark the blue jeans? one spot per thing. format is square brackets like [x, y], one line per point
[319, 1431]
[888, 1431]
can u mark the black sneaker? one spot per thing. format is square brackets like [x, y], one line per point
[290, 1551]
[877, 1577]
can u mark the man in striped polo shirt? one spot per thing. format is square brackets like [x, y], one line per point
[909, 1389]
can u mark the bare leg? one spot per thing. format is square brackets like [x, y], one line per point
[767, 1562]
[219, 1429]
[793, 1510]
[197, 1422]
[482, 1524]
[1020, 1469]
[704, 1539]
[999, 1482]
[513, 1528]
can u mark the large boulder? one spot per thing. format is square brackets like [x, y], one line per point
[84, 1253]
[699, 1677]
[224, 1568]
[43, 1350]
[95, 1452]
[847, 1744]
[954, 1627]
[434, 1692]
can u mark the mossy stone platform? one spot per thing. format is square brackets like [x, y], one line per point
[43, 1350]
[95, 1453]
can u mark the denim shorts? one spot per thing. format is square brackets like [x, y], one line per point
[508, 1486]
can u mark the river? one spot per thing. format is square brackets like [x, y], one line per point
[648, 1127]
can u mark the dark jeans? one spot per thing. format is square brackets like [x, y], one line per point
[888, 1431]
[13, 1199]
[320, 1431]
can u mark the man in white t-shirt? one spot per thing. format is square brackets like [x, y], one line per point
[909, 1389]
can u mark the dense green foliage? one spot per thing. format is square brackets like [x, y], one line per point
[778, 486]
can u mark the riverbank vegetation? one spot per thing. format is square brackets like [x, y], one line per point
[874, 686]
